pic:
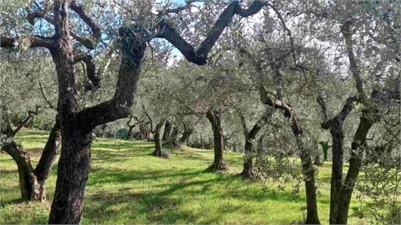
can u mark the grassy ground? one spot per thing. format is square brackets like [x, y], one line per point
[128, 186]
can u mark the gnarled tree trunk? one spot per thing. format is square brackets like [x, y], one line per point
[158, 141]
[309, 173]
[29, 186]
[32, 181]
[77, 125]
[214, 117]
[250, 138]
[73, 171]
[355, 164]
[50, 151]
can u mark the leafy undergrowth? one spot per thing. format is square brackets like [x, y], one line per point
[129, 186]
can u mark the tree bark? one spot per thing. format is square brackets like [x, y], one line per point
[29, 186]
[214, 117]
[73, 171]
[309, 173]
[159, 152]
[250, 137]
[355, 164]
[186, 135]
[51, 149]
[174, 137]
[337, 134]
[168, 130]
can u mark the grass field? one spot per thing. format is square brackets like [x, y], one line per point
[128, 186]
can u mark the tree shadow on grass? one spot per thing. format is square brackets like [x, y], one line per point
[193, 155]
[101, 155]
[121, 145]
[108, 175]
[125, 206]
[161, 203]
[152, 207]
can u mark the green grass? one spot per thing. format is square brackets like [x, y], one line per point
[129, 186]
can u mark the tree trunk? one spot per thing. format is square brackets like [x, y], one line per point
[214, 118]
[77, 124]
[317, 161]
[168, 130]
[247, 171]
[325, 148]
[129, 133]
[32, 182]
[355, 163]
[51, 149]
[186, 134]
[337, 134]
[72, 175]
[306, 159]
[159, 152]
[250, 136]
[27, 179]
[309, 177]
[145, 132]
[174, 137]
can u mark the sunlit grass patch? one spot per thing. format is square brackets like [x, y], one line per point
[127, 185]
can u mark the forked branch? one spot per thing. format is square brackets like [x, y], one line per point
[200, 55]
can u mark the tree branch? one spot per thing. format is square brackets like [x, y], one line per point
[199, 56]
[288, 111]
[347, 33]
[323, 106]
[132, 46]
[93, 26]
[289, 33]
[149, 118]
[243, 123]
[88, 43]
[31, 114]
[32, 41]
[94, 81]
[42, 90]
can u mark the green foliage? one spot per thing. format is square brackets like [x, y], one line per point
[382, 186]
